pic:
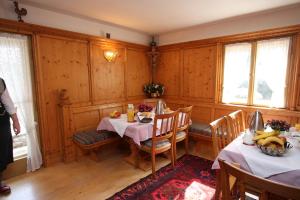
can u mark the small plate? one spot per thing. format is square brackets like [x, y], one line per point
[146, 120]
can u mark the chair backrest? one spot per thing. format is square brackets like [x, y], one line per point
[236, 122]
[220, 134]
[265, 188]
[164, 126]
[184, 117]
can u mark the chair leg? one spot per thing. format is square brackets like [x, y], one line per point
[174, 151]
[173, 159]
[153, 163]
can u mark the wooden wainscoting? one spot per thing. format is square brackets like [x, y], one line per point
[65, 60]
[197, 65]
[74, 119]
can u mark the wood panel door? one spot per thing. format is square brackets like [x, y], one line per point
[199, 66]
[138, 73]
[168, 72]
[108, 78]
[63, 65]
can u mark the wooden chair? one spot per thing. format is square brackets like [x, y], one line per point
[220, 131]
[265, 188]
[182, 130]
[162, 137]
[221, 134]
[236, 122]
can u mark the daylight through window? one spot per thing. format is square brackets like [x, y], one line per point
[255, 73]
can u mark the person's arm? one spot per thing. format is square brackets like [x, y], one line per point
[16, 124]
[12, 111]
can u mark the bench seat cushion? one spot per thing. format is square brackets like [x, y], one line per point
[200, 128]
[92, 137]
[180, 134]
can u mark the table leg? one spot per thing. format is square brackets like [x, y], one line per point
[135, 158]
[218, 184]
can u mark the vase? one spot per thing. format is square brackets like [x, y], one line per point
[154, 95]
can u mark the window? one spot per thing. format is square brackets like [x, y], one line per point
[255, 72]
[14, 69]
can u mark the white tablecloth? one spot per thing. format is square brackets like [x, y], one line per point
[120, 124]
[284, 169]
[137, 131]
[259, 162]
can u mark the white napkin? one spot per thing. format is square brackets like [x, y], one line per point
[265, 165]
[121, 124]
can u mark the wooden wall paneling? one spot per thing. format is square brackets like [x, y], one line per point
[201, 114]
[66, 128]
[107, 111]
[63, 65]
[220, 112]
[108, 78]
[219, 73]
[199, 73]
[168, 72]
[14, 26]
[264, 34]
[38, 80]
[174, 106]
[86, 120]
[138, 73]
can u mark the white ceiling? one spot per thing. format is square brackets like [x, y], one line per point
[158, 16]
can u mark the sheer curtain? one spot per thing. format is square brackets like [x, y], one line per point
[236, 73]
[271, 69]
[15, 69]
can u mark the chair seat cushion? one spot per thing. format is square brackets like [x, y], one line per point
[180, 134]
[92, 137]
[158, 144]
[200, 128]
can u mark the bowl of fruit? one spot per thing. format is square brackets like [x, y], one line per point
[145, 108]
[115, 114]
[271, 143]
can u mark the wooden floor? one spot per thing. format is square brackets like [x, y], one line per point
[85, 179]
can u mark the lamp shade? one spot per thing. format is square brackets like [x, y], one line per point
[110, 55]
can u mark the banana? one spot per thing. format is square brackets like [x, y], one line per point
[260, 132]
[265, 135]
[272, 139]
[260, 141]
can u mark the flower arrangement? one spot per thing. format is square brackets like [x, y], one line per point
[278, 125]
[154, 89]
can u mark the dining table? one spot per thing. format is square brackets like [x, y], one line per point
[134, 133]
[284, 169]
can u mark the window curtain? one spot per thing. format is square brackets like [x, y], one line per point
[16, 70]
[271, 67]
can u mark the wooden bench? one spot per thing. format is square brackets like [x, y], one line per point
[201, 134]
[91, 141]
[200, 131]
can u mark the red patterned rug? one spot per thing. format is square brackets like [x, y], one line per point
[192, 178]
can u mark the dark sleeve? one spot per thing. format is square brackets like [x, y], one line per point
[2, 86]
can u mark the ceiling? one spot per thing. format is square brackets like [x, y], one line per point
[158, 16]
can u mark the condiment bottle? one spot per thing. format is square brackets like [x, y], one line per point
[130, 113]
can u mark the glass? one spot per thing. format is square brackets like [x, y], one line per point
[270, 72]
[130, 113]
[236, 73]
